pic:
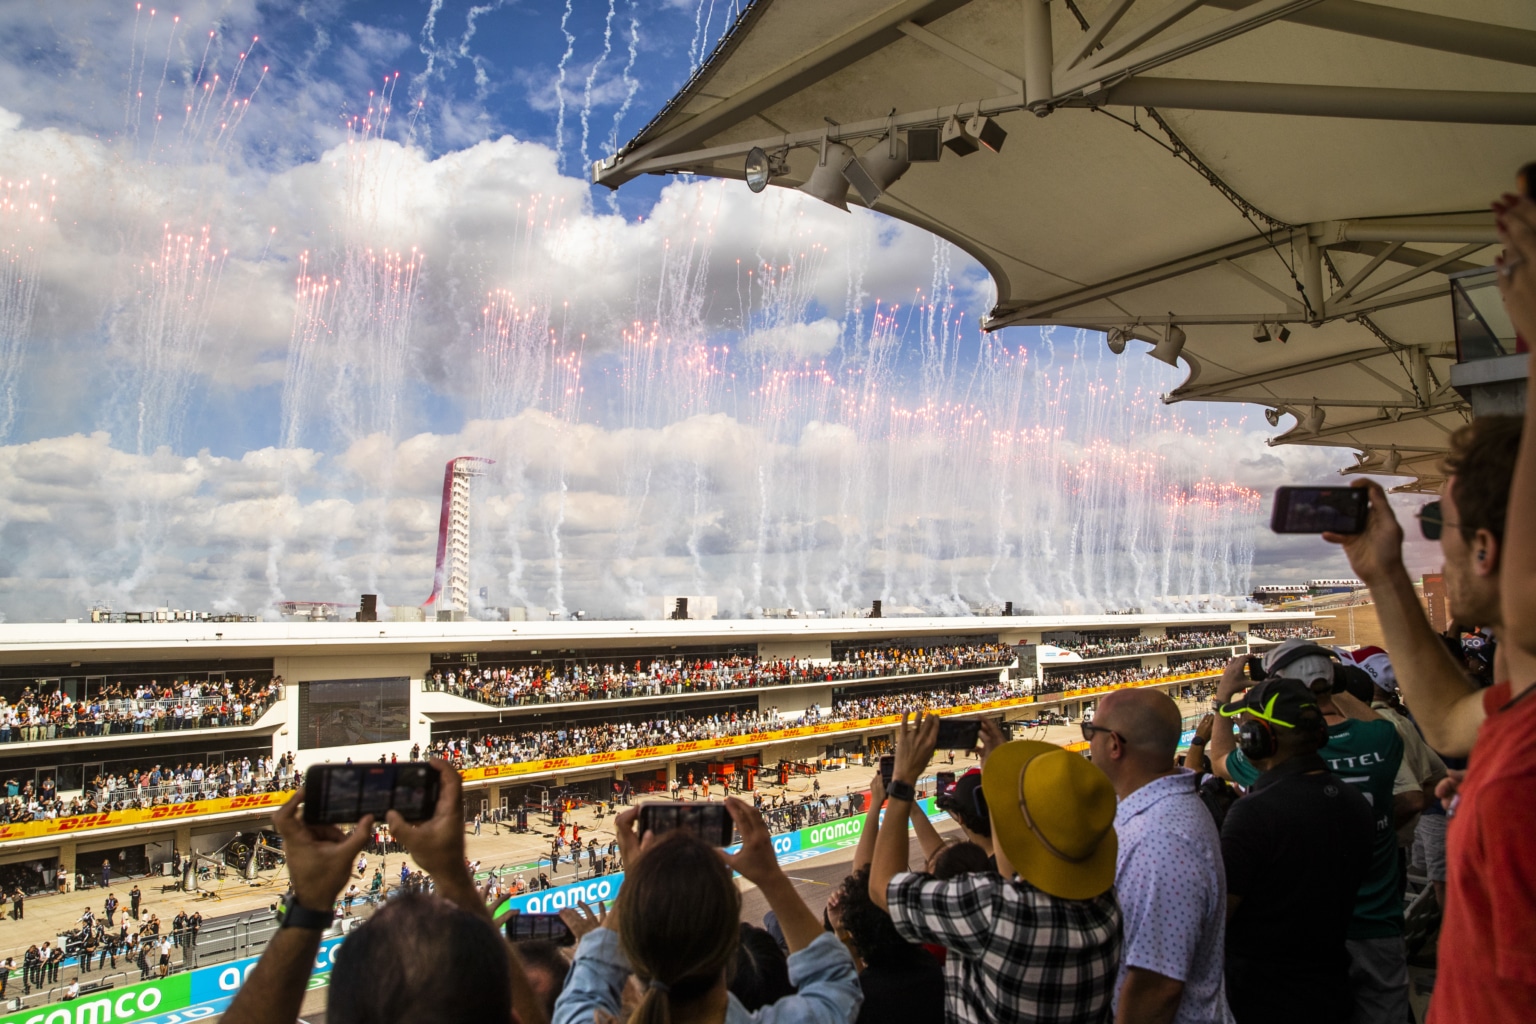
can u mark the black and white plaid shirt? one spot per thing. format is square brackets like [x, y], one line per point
[1025, 955]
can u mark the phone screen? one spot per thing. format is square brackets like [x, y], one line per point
[340, 794]
[958, 735]
[546, 927]
[944, 782]
[887, 767]
[1319, 510]
[710, 822]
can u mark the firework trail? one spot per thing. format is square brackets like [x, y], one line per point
[586, 100]
[570, 48]
[25, 213]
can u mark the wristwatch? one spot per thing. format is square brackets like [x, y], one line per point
[898, 790]
[293, 914]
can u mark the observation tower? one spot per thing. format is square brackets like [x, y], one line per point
[450, 585]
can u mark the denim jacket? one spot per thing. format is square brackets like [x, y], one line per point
[826, 983]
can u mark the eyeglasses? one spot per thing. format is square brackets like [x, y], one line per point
[1432, 520]
[1089, 729]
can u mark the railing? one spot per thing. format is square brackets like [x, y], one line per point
[1150, 645]
[135, 717]
[718, 681]
[1295, 632]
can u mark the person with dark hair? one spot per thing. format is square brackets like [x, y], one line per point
[420, 958]
[900, 980]
[1296, 850]
[676, 927]
[760, 975]
[959, 858]
[546, 968]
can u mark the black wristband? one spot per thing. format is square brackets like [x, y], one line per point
[293, 914]
[898, 790]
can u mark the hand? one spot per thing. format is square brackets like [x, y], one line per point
[991, 738]
[915, 743]
[755, 861]
[1205, 728]
[582, 919]
[1376, 552]
[1515, 220]
[319, 857]
[437, 844]
[876, 792]
[1234, 678]
[1448, 787]
[631, 843]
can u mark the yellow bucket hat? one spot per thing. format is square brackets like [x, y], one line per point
[1053, 816]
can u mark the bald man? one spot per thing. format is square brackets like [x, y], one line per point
[1169, 875]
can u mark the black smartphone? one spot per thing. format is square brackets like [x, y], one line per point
[339, 794]
[544, 927]
[1320, 510]
[955, 734]
[943, 783]
[887, 767]
[710, 822]
[1254, 666]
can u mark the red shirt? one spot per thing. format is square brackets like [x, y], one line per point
[1487, 956]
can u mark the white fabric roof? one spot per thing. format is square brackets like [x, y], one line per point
[1320, 164]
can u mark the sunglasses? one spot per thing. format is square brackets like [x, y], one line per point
[1089, 729]
[1432, 520]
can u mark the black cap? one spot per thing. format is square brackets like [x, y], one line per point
[1279, 701]
[967, 801]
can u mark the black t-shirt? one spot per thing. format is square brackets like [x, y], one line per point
[908, 985]
[1296, 849]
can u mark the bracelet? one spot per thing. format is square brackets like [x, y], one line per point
[1197, 742]
[899, 790]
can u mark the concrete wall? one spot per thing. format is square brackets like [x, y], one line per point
[299, 670]
[815, 650]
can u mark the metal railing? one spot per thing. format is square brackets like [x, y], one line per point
[128, 718]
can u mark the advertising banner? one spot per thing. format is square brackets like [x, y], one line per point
[163, 814]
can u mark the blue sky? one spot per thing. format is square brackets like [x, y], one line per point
[274, 263]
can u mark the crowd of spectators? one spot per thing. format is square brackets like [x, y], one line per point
[505, 686]
[521, 745]
[1282, 633]
[121, 709]
[1119, 677]
[148, 787]
[1132, 646]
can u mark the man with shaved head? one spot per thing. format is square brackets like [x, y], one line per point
[1169, 874]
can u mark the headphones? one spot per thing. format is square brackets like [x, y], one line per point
[1257, 739]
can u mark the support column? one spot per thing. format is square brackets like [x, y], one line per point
[671, 773]
[1038, 85]
[67, 865]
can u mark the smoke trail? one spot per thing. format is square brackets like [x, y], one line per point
[570, 48]
[631, 83]
[586, 102]
[24, 215]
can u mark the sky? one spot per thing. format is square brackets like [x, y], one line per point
[272, 264]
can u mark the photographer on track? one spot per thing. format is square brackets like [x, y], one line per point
[422, 957]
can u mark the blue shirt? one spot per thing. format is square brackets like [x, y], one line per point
[1172, 887]
[826, 983]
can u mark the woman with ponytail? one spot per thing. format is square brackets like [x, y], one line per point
[676, 926]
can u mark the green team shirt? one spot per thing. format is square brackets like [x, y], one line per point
[1368, 756]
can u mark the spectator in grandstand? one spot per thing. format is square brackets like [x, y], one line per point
[760, 974]
[435, 957]
[1040, 940]
[900, 980]
[1366, 751]
[676, 928]
[1296, 851]
[1169, 877]
[546, 968]
[966, 805]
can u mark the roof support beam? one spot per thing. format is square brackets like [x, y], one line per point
[1430, 31]
[1258, 282]
[1417, 272]
[1435, 105]
[1308, 437]
[985, 68]
[1096, 33]
[1216, 388]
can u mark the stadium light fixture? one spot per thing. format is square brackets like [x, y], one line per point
[987, 132]
[1273, 415]
[1260, 333]
[762, 167]
[1117, 337]
[924, 145]
[1167, 350]
[957, 140]
[827, 182]
[878, 169]
[1284, 334]
[1315, 418]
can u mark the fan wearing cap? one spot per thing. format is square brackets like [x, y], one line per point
[1041, 939]
[1296, 850]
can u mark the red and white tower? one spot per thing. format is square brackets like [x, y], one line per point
[450, 586]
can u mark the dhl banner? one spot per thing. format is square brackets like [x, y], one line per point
[147, 816]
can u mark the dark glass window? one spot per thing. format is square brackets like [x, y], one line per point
[345, 712]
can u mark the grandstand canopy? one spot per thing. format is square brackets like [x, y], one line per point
[1316, 166]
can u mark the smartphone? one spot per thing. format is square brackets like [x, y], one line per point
[340, 794]
[955, 734]
[710, 822]
[544, 927]
[943, 783]
[887, 767]
[1320, 510]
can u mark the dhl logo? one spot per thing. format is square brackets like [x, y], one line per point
[554, 762]
[84, 821]
[174, 811]
[264, 800]
[606, 758]
[647, 751]
[690, 745]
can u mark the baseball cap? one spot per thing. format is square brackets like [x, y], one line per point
[1376, 662]
[1302, 660]
[966, 800]
[1279, 701]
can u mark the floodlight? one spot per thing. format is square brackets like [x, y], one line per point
[1260, 332]
[1315, 418]
[957, 140]
[875, 171]
[826, 181]
[757, 169]
[1284, 334]
[1117, 338]
[987, 132]
[1392, 461]
[1273, 416]
[1172, 344]
[924, 145]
